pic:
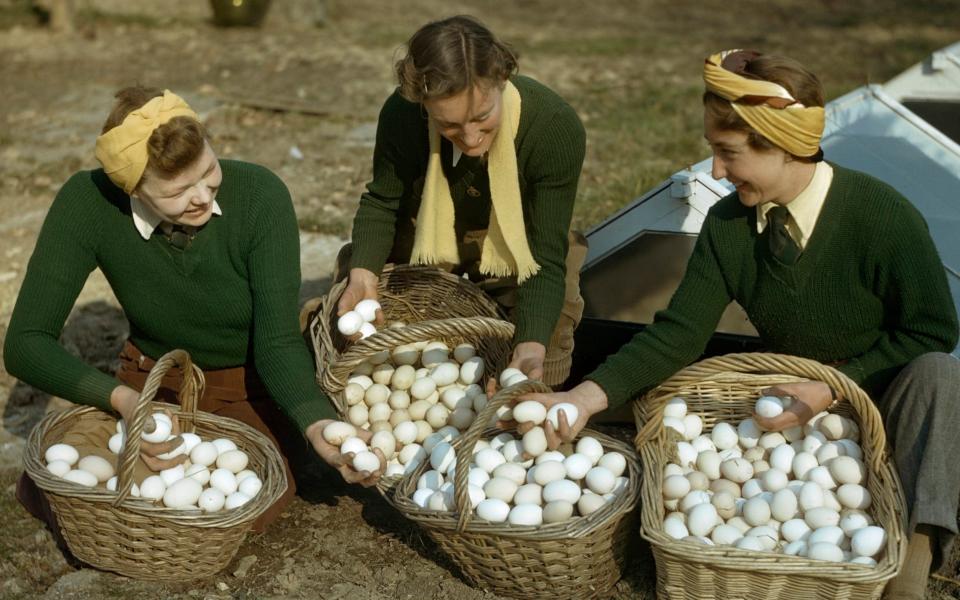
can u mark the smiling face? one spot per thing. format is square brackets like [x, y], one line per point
[187, 198]
[760, 176]
[469, 119]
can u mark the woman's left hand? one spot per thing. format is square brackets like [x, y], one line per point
[529, 357]
[809, 399]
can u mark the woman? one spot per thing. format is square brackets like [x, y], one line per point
[830, 264]
[475, 170]
[202, 253]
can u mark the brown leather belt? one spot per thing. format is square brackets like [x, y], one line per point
[229, 385]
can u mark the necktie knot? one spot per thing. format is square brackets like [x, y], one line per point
[782, 245]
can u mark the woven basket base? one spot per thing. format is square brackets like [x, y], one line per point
[143, 547]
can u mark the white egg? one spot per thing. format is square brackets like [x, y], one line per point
[821, 517]
[190, 441]
[445, 373]
[739, 523]
[477, 476]
[224, 445]
[211, 500]
[752, 488]
[367, 309]
[749, 543]
[675, 407]
[851, 495]
[161, 431]
[353, 393]
[863, 560]
[385, 441]
[771, 440]
[550, 471]
[535, 442]
[756, 511]
[511, 471]
[725, 504]
[493, 510]
[781, 458]
[233, 460]
[199, 473]
[830, 534]
[614, 462]
[366, 330]
[454, 398]
[824, 551]
[811, 496]
[768, 407]
[152, 488]
[500, 488]
[532, 493]
[766, 535]
[846, 470]
[509, 373]
[599, 479]
[235, 500]
[183, 493]
[833, 426]
[59, 467]
[702, 519]
[724, 436]
[850, 523]
[205, 453]
[795, 530]
[172, 475]
[489, 459]
[576, 465]
[530, 411]
[405, 433]
[868, 541]
[692, 426]
[590, 503]
[571, 411]
[591, 448]
[795, 548]
[349, 323]
[737, 470]
[437, 416]
[708, 463]
[686, 454]
[96, 466]
[703, 443]
[827, 452]
[81, 477]
[471, 371]
[802, 463]
[725, 535]
[675, 528]
[813, 441]
[354, 445]
[223, 480]
[730, 453]
[476, 496]
[422, 388]
[676, 425]
[783, 506]
[422, 496]
[561, 490]
[64, 452]
[115, 443]
[774, 480]
[821, 476]
[557, 512]
[749, 433]
[463, 352]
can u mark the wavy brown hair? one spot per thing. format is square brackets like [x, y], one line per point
[451, 55]
[173, 146]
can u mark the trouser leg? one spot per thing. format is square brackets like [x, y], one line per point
[921, 411]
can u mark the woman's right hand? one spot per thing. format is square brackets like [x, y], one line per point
[361, 285]
[344, 462]
[588, 397]
[124, 400]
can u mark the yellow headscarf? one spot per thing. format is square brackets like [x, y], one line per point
[123, 150]
[505, 249]
[767, 107]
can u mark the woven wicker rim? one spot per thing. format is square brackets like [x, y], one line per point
[273, 477]
[428, 282]
[755, 371]
[462, 520]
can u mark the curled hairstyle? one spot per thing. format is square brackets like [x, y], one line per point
[449, 56]
[173, 146]
[794, 77]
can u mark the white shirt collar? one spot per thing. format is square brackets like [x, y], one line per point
[805, 208]
[145, 220]
[457, 153]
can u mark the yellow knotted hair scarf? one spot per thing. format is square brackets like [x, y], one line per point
[767, 107]
[505, 249]
[123, 150]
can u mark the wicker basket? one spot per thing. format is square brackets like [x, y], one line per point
[725, 389]
[491, 337]
[582, 557]
[137, 537]
[408, 293]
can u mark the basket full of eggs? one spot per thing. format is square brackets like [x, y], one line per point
[183, 523]
[407, 294]
[522, 521]
[410, 384]
[730, 510]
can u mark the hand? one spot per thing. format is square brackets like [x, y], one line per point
[124, 400]
[809, 399]
[361, 285]
[588, 397]
[529, 357]
[344, 462]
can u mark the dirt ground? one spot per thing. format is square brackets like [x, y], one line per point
[301, 96]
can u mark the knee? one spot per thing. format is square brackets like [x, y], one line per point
[937, 366]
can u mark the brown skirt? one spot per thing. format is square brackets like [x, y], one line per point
[236, 393]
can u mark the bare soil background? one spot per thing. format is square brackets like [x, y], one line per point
[302, 98]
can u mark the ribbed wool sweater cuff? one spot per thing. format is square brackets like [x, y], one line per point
[369, 256]
[308, 413]
[532, 328]
[618, 391]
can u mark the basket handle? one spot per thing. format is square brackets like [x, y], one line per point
[871, 425]
[387, 339]
[191, 388]
[465, 443]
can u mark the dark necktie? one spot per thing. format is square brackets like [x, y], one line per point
[781, 244]
[179, 238]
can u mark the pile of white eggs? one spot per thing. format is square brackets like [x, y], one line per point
[520, 482]
[798, 492]
[411, 398]
[360, 319]
[214, 477]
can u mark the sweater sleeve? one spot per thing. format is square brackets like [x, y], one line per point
[374, 225]
[920, 315]
[280, 352]
[554, 170]
[678, 334]
[62, 260]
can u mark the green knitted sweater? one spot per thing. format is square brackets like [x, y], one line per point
[869, 289]
[550, 146]
[230, 295]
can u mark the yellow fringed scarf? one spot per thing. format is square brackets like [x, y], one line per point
[123, 150]
[505, 249]
[767, 107]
